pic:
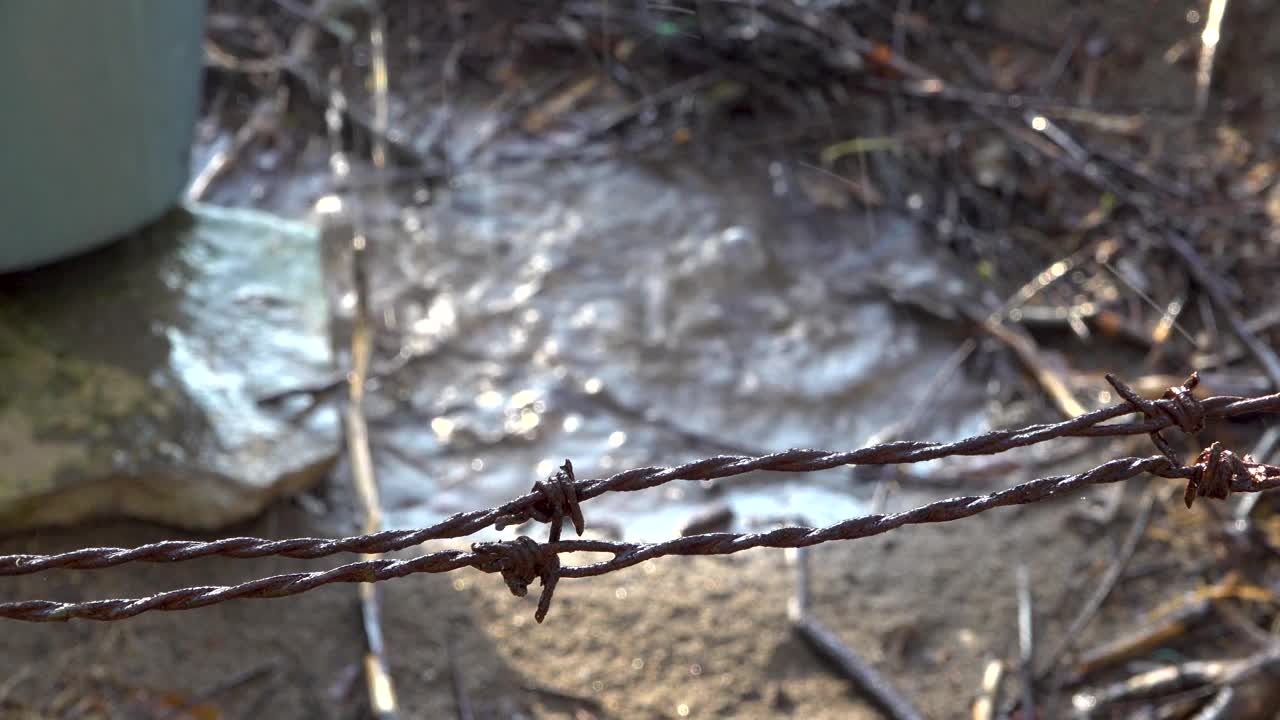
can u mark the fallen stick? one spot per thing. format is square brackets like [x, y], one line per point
[1218, 295]
[829, 647]
[1140, 641]
[984, 707]
[381, 692]
[1026, 642]
[1104, 588]
[1158, 683]
[461, 697]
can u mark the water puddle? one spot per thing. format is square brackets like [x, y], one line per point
[620, 316]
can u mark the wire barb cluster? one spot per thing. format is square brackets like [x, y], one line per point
[1178, 405]
[520, 561]
[559, 496]
[1219, 471]
[1215, 473]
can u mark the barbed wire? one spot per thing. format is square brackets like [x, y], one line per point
[1216, 472]
[538, 505]
[523, 559]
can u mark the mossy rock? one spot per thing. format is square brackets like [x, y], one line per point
[132, 375]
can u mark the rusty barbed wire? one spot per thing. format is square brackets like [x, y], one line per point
[1216, 473]
[523, 560]
[1161, 414]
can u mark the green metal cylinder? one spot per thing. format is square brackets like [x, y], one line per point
[98, 103]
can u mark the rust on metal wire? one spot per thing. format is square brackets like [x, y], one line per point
[559, 496]
[522, 508]
[520, 561]
[1221, 469]
[1215, 473]
[1217, 468]
[1178, 406]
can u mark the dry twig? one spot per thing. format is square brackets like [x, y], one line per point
[1104, 587]
[831, 648]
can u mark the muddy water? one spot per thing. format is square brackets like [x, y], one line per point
[623, 314]
[620, 315]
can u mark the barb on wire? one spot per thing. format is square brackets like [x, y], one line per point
[523, 560]
[564, 494]
[520, 561]
[1181, 408]
[560, 496]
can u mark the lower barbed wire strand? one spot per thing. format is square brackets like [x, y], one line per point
[268, 587]
[624, 554]
[468, 523]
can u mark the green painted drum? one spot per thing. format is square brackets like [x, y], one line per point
[98, 102]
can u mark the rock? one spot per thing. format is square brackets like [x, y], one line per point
[130, 376]
[717, 518]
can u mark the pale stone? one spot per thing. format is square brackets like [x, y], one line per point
[130, 377]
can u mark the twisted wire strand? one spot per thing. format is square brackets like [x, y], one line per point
[1259, 478]
[275, 586]
[1262, 477]
[526, 506]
